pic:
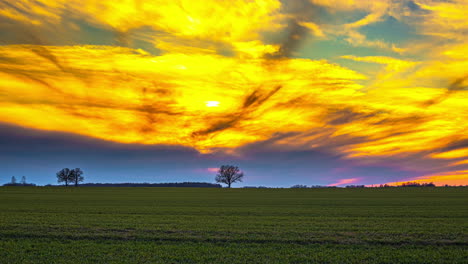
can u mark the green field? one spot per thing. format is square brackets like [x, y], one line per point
[203, 225]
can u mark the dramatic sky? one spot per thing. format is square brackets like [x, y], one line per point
[316, 92]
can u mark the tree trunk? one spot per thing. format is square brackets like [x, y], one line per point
[229, 185]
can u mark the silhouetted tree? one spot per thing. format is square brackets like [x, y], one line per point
[23, 180]
[76, 176]
[229, 174]
[13, 180]
[64, 175]
[299, 186]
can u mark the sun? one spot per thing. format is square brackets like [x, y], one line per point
[212, 103]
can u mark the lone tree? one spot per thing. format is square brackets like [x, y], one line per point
[76, 176]
[13, 180]
[23, 180]
[229, 174]
[64, 175]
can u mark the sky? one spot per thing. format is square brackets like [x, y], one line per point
[314, 92]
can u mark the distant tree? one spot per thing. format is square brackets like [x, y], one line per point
[229, 174]
[416, 184]
[76, 176]
[299, 186]
[13, 180]
[23, 180]
[64, 175]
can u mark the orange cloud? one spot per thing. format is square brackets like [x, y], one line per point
[452, 154]
[454, 178]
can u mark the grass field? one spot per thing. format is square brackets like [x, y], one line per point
[203, 225]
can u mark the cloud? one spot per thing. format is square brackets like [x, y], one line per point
[451, 178]
[393, 67]
[182, 25]
[212, 170]
[452, 154]
[130, 96]
[314, 28]
[344, 182]
[375, 11]
[445, 19]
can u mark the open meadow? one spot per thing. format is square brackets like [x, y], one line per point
[211, 225]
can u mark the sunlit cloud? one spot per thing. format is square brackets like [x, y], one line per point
[344, 182]
[452, 154]
[130, 96]
[448, 178]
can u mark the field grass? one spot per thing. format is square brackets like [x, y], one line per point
[203, 225]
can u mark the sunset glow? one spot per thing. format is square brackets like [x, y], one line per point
[383, 83]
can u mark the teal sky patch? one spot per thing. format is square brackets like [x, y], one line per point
[389, 30]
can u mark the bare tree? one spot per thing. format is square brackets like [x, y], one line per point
[229, 174]
[76, 176]
[13, 180]
[23, 180]
[64, 175]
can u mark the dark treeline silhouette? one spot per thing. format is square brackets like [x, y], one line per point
[302, 186]
[19, 184]
[169, 184]
[416, 184]
[410, 184]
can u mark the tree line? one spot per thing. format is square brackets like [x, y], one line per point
[168, 184]
[226, 174]
[23, 182]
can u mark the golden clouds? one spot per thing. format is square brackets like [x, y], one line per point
[408, 119]
[129, 96]
[182, 18]
[457, 153]
[178, 25]
[445, 19]
[218, 20]
[35, 12]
